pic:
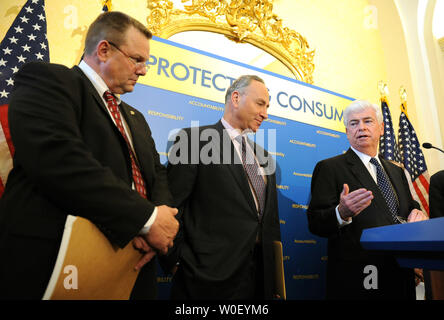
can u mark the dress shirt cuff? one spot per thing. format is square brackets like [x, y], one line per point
[146, 228]
[340, 221]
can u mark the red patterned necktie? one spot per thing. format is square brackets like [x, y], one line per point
[137, 177]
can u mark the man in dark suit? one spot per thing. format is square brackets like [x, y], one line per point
[228, 216]
[355, 191]
[436, 195]
[79, 150]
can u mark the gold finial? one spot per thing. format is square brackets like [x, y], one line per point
[403, 96]
[383, 90]
[107, 4]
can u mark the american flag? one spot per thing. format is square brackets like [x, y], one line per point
[414, 162]
[25, 41]
[388, 147]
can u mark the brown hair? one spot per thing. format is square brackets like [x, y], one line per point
[112, 26]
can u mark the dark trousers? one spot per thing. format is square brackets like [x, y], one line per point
[246, 286]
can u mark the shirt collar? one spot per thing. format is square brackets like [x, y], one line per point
[96, 80]
[233, 133]
[365, 158]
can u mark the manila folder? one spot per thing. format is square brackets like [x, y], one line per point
[89, 267]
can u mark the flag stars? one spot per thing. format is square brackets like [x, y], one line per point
[4, 94]
[24, 19]
[21, 58]
[26, 48]
[36, 27]
[13, 40]
[18, 29]
[26, 41]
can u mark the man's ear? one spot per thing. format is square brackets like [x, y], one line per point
[235, 96]
[103, 50]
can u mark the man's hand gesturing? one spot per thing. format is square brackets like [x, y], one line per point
[352, 203]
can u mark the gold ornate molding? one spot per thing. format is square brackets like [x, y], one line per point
[249, 21]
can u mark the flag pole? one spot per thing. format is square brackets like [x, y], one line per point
[403, 96]
[383, 91]
[106, 5]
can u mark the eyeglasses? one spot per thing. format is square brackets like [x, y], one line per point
[134, 61]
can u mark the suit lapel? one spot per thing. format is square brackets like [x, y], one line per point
[235, 167]
[143, 159]
[365, 179]
[101, 105]
[92, 90]
[131, 123]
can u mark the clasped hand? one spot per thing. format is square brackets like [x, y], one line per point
[160, 237]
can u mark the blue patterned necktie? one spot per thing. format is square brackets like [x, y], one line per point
[252, 169]
[387, 190]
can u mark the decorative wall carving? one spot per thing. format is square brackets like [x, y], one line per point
[249, 21]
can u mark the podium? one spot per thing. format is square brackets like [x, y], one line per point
[414, 245]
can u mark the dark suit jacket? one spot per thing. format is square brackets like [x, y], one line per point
[219, 220]
[69, 158]
[346, 257]
[436, 195]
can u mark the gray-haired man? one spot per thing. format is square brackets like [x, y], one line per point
[227, 203]
[354, 191]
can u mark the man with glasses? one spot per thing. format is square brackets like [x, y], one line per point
[354, 191]
[80, 150]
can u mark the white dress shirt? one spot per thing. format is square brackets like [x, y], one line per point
[101, 87]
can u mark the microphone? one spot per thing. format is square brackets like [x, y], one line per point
[430, 146]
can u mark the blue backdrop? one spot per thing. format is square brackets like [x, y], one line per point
[299, 147]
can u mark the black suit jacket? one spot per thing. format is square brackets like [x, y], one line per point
[346, 258]
[218, 216]
[69, 158]
[436, 195]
